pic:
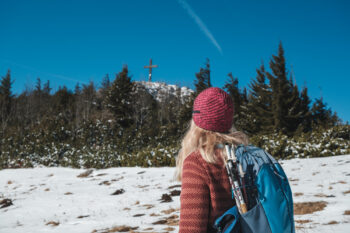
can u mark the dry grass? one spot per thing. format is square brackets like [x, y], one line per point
[308, 207]
[175, 186]
[102, 174]
[122, 228]
[332, 223]
[303, 221]
[47, 189]
[53, 223]
[346, 192]
[68, 193]
[172, 220]
[298, 194]
[9, 182]
[85, 174]
[148, 206]
[106, 182]
[291, 180]
[138, 215]
[320, 195]
[169, 211]
[346, 212]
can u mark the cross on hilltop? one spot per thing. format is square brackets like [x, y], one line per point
[150, 70]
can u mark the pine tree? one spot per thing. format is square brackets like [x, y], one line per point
[6, 99]
[120, 97]
[305, 117]
[105, 85]
[323, 116]
[231, 86]
[285, 95]
[260, 104]
[47, 89]
[202, 79]
[240, 101]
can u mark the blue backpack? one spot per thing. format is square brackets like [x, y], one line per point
[272, 212]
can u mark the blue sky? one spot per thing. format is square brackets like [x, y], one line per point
[80, 41]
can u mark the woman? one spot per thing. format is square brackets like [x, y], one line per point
[205, 190]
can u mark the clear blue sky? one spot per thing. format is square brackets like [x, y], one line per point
[77, 41]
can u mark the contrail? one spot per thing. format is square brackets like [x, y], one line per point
[200, 24]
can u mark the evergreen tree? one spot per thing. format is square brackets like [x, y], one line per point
[105, 85]
[285, 95]
[6, 99]
[120, 97]
[260, 104]
[202, 79]
[231, 86]
[47, 89]
[323, 116]
[305, 117]
[240, 101]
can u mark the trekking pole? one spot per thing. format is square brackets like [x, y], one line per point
[232, 171]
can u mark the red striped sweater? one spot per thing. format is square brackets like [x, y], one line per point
[205, 194]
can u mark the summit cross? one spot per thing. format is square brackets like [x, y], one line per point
[150, 70]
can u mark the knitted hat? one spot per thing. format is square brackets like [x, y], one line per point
[213, 110]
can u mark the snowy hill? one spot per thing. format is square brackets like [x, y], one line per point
[147, 199]
[161, 91]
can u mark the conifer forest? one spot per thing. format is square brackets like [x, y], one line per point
[119, 122]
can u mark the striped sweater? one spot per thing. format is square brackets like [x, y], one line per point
[205, 194]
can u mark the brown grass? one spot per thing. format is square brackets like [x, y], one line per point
[347, 192]
[291, 180]
[308, 207]
[9, 182]
[169, 211]
[68, 193]
[122, 228]
[172, 220]
[175, 186]
[106, 182]
[53, 223]
[148, 206]
[298, 194]
[347, 212]
[47, 189]
[85, 174]
[138, 215]
[102, 174]
[303, 221]
[332, 223]
[320, 195]
[342, 182]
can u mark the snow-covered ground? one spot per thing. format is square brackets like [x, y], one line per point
[57, 200]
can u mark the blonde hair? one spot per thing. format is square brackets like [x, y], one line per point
[205, 141]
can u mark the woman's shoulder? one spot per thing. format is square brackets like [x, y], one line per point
[194, 159]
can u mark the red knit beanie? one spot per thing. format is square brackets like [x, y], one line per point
[213, 110]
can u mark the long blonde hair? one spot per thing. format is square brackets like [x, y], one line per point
[205, 141]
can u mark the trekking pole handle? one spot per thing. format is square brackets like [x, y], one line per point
[234, 179]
